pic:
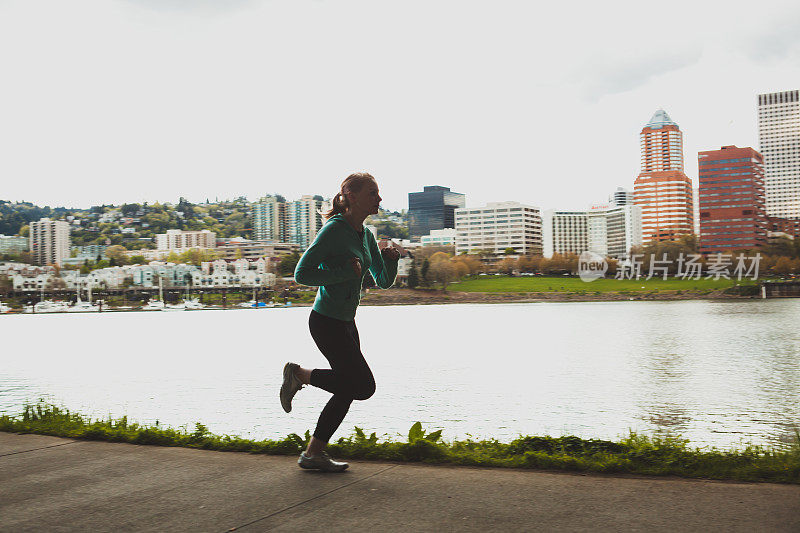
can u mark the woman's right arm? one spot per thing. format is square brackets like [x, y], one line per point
[308, 271]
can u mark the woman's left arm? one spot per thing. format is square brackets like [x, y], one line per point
[383, 269]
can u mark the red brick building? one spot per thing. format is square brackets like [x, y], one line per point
[662, 189]
[789, 226]
[731, 198]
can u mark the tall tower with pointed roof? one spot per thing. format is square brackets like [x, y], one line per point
[662, 189]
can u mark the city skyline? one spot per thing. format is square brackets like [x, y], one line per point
[248, 98]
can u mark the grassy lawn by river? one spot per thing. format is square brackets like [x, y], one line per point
[575, 284]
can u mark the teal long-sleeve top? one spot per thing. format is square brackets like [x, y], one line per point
[326, 264]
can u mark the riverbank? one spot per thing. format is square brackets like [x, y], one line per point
[430, 296]
[632, 455]
[505, 289]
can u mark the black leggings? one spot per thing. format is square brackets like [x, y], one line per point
[349, 377]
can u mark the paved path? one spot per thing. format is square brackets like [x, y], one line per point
[51, 484]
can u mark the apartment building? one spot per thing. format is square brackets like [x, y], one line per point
[49, 242]
[175, 239]
[269, 219]
[497, 227]
[779, 143]
[304, 219]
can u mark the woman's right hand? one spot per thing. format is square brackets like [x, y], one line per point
[355, 264]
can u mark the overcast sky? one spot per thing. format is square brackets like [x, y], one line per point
[109, 101]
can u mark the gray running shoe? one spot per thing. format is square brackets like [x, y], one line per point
[321, 462]
[290, 386]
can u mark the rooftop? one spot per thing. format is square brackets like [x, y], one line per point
[660, 119]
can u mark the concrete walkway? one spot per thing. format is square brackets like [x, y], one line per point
[51, 484]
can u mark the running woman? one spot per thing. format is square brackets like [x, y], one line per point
[337, 262]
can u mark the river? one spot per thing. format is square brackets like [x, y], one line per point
[718, 373]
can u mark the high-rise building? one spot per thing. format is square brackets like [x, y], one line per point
[779, 143]
[304, 219]
[614, 230]
[663, 190]
[269, 219]
[731, 197]
[608, 230]
[49, 241]
[433, 208]
[621, 197]
[497, 227]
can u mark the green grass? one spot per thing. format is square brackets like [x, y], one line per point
[635, 454]
[574, 284]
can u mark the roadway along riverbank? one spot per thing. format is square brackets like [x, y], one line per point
[48, 483]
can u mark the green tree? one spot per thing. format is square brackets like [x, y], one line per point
[288, 263]
[117, 255]
[426, 266]
[413, 277]
[129, 210]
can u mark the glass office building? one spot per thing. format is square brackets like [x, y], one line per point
[433, 208]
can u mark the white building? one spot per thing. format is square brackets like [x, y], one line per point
[605, 229]
[244, 273]
[564, 232]
[439, 237]
[237, 247]
[779, 143]
[110, 278]
[30, 283]
[151, 255]
[614, 230]
[49, 241]
[175, 239]
[498, 226]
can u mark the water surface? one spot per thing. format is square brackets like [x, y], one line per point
[717, 373]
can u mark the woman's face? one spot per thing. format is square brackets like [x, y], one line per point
[366, 201]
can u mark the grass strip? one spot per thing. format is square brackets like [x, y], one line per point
[635, 454]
